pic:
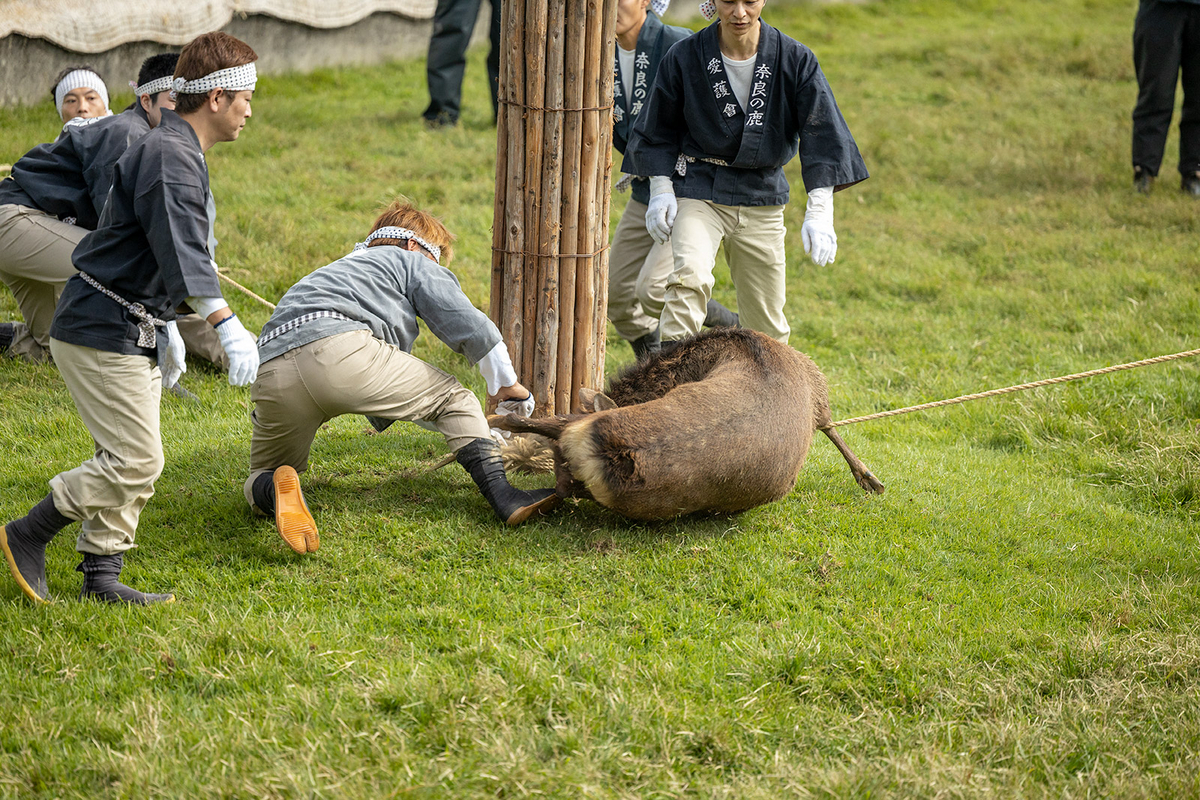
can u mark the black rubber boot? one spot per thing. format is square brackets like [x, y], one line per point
[379, 423]
[6, 335]
[1191, 184]
[1143, 181]
[646, 345]
[718, 316]
[481, 459]
[100, 582]
[24, 543]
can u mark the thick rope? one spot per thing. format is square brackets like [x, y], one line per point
[1022, 387]
[262, 300]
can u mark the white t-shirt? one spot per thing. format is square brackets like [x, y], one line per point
[740, 73]
[626, 60]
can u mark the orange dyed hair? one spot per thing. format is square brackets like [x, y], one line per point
[401, 213]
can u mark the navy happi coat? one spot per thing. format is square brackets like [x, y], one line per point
[692, 112]
[70, 176]
[151, 245]
[654, 40]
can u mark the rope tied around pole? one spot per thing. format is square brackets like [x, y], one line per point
[1008, 389]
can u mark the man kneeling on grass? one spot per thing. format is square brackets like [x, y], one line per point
[339, 343]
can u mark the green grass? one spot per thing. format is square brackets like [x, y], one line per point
[1018, 616]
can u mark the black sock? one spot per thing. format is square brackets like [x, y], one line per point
[41, 524]
[100, 582]
[25, 540]
[263, 492]
[6, 335]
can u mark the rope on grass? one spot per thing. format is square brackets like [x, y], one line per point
[992, 393]
[262, 300]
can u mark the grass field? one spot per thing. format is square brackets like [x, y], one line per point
[1018, 615]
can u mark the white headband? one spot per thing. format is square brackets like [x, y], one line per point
[708, 8]
[233, 79]
[659, 7]
[392, 232]
[79, 79]
[152, 87]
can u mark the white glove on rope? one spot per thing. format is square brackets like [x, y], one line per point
[817, 232]
[242, 349]
[522, 408]
[660, 214]
[171, 360]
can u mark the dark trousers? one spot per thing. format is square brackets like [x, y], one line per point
[1166, 41]
[453, 22]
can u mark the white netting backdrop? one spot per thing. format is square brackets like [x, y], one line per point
[86, 26]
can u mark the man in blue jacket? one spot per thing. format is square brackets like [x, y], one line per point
[54, 196]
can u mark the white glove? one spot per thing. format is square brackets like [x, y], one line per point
[817, 233]
[171, 361]
[660, 214]
[522, 408]
[242, 349]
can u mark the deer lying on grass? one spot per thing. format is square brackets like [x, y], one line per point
[720, 424]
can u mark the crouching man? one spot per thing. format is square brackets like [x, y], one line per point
[339, 343]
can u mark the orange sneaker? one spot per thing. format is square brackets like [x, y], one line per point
[296, 525]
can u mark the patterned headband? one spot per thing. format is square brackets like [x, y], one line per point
[659, 7]
[708, 8]
[79, 79]
[233, 79]
[152, 87]
[392, 232]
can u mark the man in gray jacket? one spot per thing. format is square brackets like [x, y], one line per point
[339, 343]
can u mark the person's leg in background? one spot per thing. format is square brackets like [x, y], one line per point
[453, 23]
[1157, 42]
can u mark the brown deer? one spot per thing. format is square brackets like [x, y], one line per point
[720, 424]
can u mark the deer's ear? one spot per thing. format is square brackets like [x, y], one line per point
[587, 398]
[602, 402]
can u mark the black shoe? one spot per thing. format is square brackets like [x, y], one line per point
[646, 345]
[100, 582]
[6, 335]
[24, 543]
[481, 459]
[1191, 184]
[440, 121]
[718, 316]
[1143, 181]
[379, 423]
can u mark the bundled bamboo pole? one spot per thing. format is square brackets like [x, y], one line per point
[573, 71]
[508, 268]
[550, 236]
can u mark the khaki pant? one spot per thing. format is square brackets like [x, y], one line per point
[117, 397]
[637, 275]
[202, 339]
[351, 373]
[753, 239]
[35, 263]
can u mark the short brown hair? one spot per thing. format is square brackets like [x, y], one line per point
[401, 213]
[205, 54]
